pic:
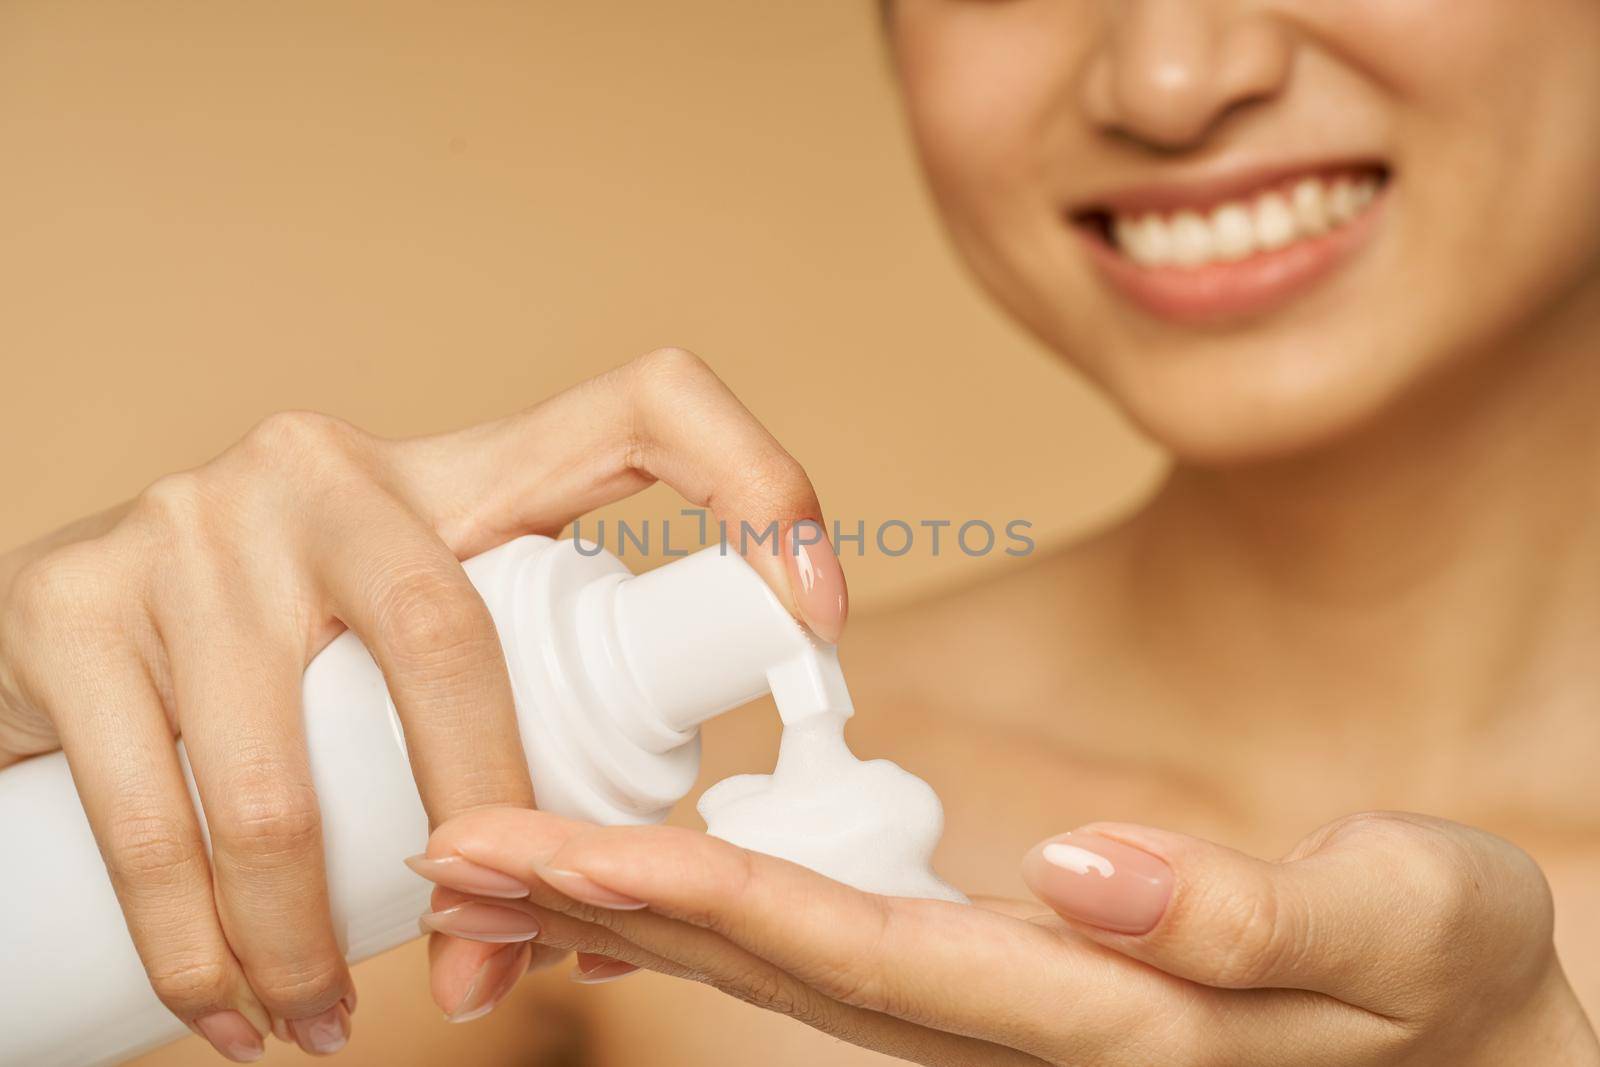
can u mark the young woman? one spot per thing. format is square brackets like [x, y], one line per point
[1341, 259]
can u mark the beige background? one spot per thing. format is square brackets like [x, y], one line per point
[417, 216]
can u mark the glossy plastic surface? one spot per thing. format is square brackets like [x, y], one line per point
[612, 674]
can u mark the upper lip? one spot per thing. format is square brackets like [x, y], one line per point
[1212, 185]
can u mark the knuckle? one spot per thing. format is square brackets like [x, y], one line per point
[777, 476]
[426, 615]
[299, 441]
[1258, 942]
[186, 983]
[663, 380]
[1528, 884]
[299, 987]
[1442, 881]
[737, 880]
[290, 431]
[1377, 826]
[669, 364]
[1470, 896]
[1439, 878]
[64, 613]
[270, 818]
[176, 502]
[146, 853]
[60, 585]
[771, 991]
[857, 979]
[858, 987]
[1480, 896]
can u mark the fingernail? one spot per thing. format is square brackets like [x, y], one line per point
[496, 977]
[601, 969]
[816, 579]
[458, 872]
[586, 890]
[280, 1030]
[1101, 882]
[325, 1034]
[232, 1035]
[483, 922]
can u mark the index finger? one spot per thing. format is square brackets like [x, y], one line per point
[665, 416]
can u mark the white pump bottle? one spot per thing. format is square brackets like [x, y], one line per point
[612, 674]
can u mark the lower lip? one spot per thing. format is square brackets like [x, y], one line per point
[1251, 286]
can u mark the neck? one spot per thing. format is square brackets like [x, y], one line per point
[1439, 568]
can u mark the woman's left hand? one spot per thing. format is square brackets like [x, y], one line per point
[1381, 939]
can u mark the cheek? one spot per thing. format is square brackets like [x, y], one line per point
[1451, 51]
[1487, 108]
[1496, 140]
[983, 85]
[991, 92]
[1496, 103]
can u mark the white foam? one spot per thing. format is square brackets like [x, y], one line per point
[870, 825]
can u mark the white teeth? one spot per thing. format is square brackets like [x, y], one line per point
[1234, 232]
[1145, 240]
[1310, 208]
[1191, 240]
[1342, 206]
[1274, 222]
[1237, 230]
[1130, 238]
[1157, 240]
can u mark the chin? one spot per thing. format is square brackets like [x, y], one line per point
[1229, 402]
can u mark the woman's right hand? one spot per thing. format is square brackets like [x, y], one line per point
[194, 609]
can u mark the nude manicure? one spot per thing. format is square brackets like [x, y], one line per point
[231, 1035]
[497, 976]
[607, 971]
[1101, 882]
[586, 890]
[458, 872]
[816, 579]
[483, 922]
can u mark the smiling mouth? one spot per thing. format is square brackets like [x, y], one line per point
[1233, 247]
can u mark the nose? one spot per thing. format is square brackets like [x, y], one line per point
[1170, 70]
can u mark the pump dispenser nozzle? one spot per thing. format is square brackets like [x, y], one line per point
[612, 675]
[704, 634]
[615, 672]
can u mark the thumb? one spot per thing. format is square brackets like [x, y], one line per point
[1363, 908]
